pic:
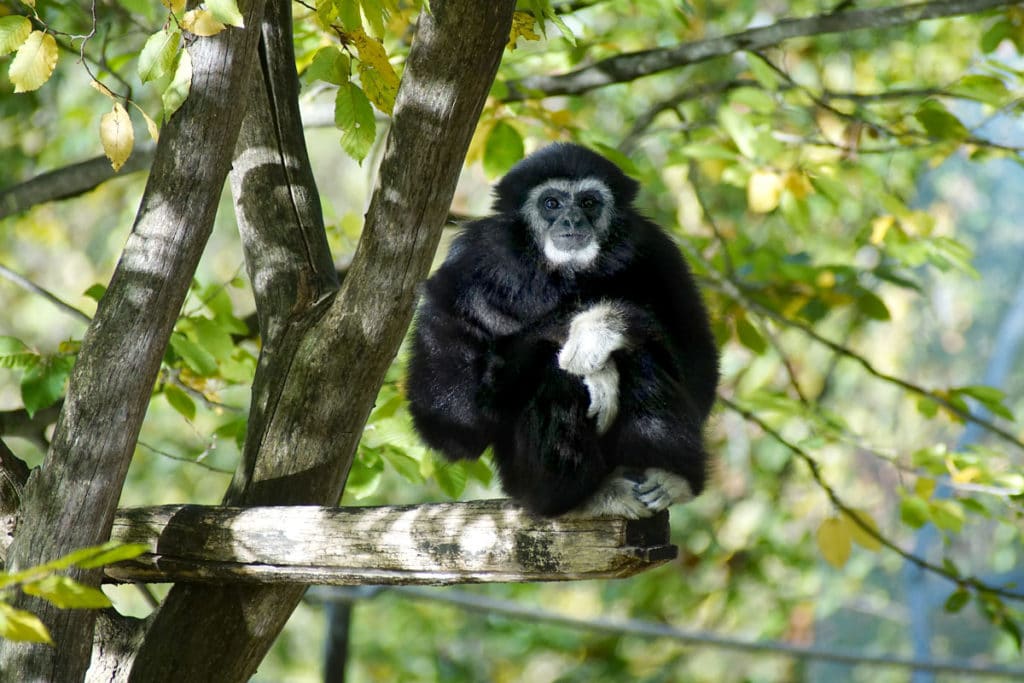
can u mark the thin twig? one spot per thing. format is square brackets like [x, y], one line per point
[32, 287]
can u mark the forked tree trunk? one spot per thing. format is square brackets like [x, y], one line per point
[324, 359]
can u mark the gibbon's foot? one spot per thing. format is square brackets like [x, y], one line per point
[635, 495]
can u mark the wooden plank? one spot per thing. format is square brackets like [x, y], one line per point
[437, 543]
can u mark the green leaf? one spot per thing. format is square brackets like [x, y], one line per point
[957, 599]
[927, 407]
[990, 397]
[503, 149]
[226, 12]
[17, 624]
[699, 150]
[353, 115]
[112, 552]
[365, 476]
[749, 336]
[14, 30]
[177, 90]
[348, 13]
[196, 357]
[564, 29]
[157, 56]
[330, 65]
[212, 336]
[65, 592]
[938, 122]
[1010, 627]
[451, 477]
[758, 100]
[43, 384]
[914, 512]
[947, 515]
[83, 557]
[996, 33]
[15, 354]
[872, 306]
[386, 409]
[762, 72]
[96, 292]
[180, 401]
[740, 129]
[406, 466]
[620, 159]
[987, 89]
[375, 15]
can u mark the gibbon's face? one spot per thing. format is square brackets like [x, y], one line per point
[570, 219]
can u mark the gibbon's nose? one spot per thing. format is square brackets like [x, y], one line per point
[573, 222]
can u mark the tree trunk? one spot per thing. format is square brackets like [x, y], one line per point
[312, 397]
[69, 502]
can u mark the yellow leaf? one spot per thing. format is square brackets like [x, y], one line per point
[34, 62]
[798, 184]
[99, 87]
[834, 541]
[174, 5]
[763, 191]
[200, 22]
[522, 26]
[880, 228]
[964, 476]
[857, 532]
[16, 624]
[117, 135]
[378, 77]
[924, 487]
[151, 127]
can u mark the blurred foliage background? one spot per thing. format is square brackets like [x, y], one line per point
[850, 203]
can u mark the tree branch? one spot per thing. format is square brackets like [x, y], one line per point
[69, 181]
[628, 67]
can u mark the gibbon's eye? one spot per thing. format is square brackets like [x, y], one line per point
[551, 203]
[588, 202]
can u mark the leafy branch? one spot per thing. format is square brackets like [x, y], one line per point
[740, 293]
[633, 65]
[815, 469]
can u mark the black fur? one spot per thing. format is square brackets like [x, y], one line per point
[484, 370]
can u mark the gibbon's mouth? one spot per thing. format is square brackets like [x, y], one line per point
[571, 241]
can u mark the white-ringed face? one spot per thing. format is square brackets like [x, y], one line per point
[570, 219]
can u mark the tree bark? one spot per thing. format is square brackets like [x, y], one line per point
[312, 398]
[69, 502]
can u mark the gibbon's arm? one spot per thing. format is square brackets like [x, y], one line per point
[448, 371]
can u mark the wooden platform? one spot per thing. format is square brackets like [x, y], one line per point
[438, 543]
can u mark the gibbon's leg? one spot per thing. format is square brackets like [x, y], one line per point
[550, 459]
